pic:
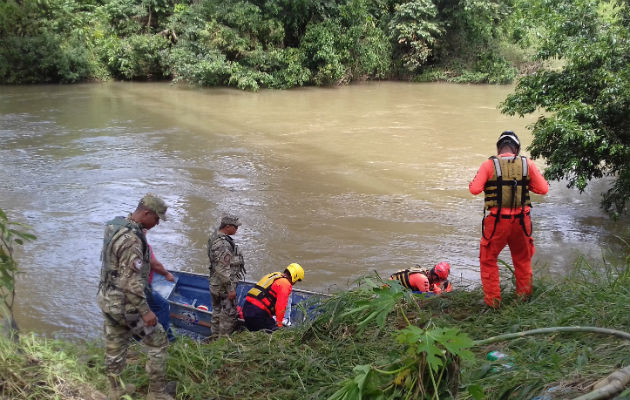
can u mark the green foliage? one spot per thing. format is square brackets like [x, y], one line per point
[330, 358]
[122, 16]
[415, 29]
[295, 15]
[431, 75]
[135, 57]
[247, 44]
[363, 385]
[367, 48]
[210, 69]
[38, 368]
[428, 368]
[11, 234]
[324, 53]
[235, 44]
[584, 134]
[46, 43]
[476, 22]
[489, 68]
[252, 44]
[379, 302]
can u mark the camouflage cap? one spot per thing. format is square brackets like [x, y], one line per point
[230, 220]
[154, 204]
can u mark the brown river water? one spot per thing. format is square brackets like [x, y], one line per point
[345, 181]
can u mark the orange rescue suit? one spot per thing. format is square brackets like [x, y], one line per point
[418, 280]
[271, 294]
[510, 226]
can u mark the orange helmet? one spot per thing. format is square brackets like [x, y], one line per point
[442, 270]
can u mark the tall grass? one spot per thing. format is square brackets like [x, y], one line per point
[314, 361]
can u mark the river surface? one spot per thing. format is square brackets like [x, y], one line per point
[345, 181]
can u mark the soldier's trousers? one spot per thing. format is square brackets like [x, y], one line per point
[224, 312]
[117, 338]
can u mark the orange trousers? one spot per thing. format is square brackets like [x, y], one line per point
[509, 231]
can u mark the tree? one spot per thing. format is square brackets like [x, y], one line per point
[585, 130]
[414, 28]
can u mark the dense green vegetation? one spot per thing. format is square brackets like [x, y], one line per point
[366, 345]
[255, 43]
[585, 132]
[11, 234]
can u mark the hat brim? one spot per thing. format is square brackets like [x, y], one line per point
[162, 216]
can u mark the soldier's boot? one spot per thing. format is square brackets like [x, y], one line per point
[162, 391]
[117, 390]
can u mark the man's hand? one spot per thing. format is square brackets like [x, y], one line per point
[149, 319]
[232, 295]
[169, 277]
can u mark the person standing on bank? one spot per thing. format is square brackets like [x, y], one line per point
[507, 180]
[269, 298]
[122, 298]
[227, 267]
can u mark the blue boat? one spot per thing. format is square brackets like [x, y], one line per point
[191, 306]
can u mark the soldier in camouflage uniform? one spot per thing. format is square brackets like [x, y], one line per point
[122, 299]
[226, 269]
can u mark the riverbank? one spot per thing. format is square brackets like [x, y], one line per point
[359, 345]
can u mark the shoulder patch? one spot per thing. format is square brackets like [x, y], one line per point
[137, 264]
[227, 258]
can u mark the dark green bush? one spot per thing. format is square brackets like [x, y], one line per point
[37, 47]
[323, 53]
[497, 68]
[136, 57]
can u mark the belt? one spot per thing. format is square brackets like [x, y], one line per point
[508, 216]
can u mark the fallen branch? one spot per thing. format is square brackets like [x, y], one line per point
[609, 386]
[509, 336]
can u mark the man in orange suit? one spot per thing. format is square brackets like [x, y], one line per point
[506, 180]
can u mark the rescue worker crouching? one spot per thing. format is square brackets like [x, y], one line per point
[269, 298]
[421, 280]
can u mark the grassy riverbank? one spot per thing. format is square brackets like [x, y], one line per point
[314, 362]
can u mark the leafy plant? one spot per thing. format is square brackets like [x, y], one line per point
[427, 369]
[136, 57]
[11, 234]
[324, 53]
[584, 132]
[37, 47]
[379, 305]
[414, 28]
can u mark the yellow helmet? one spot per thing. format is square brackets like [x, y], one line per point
[296, 271]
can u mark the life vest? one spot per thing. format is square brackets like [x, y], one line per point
[237, 263]
[509, 185]
[114, 230]
[403, 277]
[263, 292]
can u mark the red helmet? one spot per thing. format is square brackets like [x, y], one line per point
[442, 270]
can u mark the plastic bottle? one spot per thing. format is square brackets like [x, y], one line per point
[496, 355]
[502, 358]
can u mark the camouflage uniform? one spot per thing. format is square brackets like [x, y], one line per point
[226, 269]
[121, 297]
